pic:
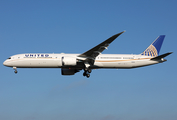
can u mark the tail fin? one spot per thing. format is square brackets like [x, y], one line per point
[154, 49]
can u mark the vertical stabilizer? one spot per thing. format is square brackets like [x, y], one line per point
[154, 49]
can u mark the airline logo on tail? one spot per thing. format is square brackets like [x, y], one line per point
[154, 49]
[150, 51]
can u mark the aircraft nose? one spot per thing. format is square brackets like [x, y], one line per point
[5, 63]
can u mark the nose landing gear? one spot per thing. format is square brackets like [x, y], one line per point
[15, 68]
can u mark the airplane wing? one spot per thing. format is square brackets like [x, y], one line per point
[94, 52]
[89, 56]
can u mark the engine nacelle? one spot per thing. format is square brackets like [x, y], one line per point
[65, 71]
[69, 61]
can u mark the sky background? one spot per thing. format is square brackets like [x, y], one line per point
[55, 26]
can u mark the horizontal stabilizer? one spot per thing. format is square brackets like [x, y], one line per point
[161, 56]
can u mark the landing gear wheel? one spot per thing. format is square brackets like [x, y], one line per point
[15, 71]
[84, 74]
[88, 75]
[89, 70]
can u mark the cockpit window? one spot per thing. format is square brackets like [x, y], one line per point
[9, 58]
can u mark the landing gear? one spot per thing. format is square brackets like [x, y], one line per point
[89, 70]
[15, 71]
[86, 72]
[88, 75]
[15, 68]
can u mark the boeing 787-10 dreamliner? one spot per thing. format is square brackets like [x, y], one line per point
[91, 59]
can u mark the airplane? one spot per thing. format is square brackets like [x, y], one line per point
[89, 60]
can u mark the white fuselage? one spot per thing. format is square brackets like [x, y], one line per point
[42, 60]
[91, 59]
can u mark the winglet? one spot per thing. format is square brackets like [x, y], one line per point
[154, 49]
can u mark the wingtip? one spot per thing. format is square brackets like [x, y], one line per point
[120, 33]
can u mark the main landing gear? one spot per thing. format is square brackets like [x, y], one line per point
[15, 68]
[87, 72]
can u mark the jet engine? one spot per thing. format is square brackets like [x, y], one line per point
[69, 61]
